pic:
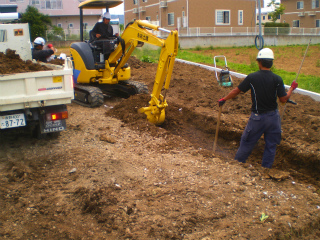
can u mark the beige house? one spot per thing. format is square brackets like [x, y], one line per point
[265, 15]
[183, 14]
[63, 13]
[303, 14]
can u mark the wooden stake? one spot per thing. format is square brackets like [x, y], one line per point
[217, 130]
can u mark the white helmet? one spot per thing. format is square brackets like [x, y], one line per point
[39, 41]
[106, 15]
[265, 53]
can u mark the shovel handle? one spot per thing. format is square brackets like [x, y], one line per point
[217, 130]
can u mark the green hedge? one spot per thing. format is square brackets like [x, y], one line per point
[271, 28]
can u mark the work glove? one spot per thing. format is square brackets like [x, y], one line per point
[294, 85]
[221, 102]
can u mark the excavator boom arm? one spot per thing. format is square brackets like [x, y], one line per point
[139, 31]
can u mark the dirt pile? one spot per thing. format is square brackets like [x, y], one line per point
[11, 62]
[113, 175]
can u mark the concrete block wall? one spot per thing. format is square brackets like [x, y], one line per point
[242, 41]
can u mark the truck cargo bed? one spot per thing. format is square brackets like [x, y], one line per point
[37, 89]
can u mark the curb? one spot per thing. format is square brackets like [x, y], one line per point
[313, 95]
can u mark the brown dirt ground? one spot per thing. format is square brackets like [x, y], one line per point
[113, 175]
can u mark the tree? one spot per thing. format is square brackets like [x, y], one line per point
[278, 10]
[56, 34]
[38, 22]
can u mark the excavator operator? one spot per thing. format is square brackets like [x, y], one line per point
[100, 33]
[104, 29]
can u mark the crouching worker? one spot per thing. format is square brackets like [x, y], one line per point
[38, 53]
[265, 88]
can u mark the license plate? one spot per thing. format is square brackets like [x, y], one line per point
[12, 121]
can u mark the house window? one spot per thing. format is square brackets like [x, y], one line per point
[35, 2]
[183, 14]
[51, 4]
[135, 2]
[296, 23]
[315, 4]
[157, 17]
[144, 0]
[223, 17]
[263, 17]
[148, 18]
[300, 5]
[70, 25]
[59, 25]
[318, 23]
[269, 17]
[170, 19]
[240, 17]
[16, 0]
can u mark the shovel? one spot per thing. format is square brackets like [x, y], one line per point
[289, 101]
[217, 130]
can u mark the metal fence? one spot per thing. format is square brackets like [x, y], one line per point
[74, 34]
[66, 34]
[245, 31]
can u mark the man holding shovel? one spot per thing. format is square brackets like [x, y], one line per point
[265, 87]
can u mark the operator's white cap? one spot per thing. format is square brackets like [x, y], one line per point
[39, 41]
[106, 15]
[265, 53]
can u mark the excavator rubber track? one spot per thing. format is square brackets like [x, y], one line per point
[88, 96]
[140, 87]
[124, 89]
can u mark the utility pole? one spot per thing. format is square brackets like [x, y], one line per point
[139, 8]
[259, 37]
[188, 17]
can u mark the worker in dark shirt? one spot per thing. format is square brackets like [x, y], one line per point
[104, 29]
[38, 53]
[100, 33]
[265, 88]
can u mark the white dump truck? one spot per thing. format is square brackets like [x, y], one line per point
[36, 99]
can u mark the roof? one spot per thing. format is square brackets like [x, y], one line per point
[99, 4]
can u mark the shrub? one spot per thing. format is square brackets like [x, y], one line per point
[147, 59]
[271, 28]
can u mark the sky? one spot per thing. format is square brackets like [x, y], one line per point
[120, 9]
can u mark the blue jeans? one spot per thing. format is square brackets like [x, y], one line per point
[268, 124]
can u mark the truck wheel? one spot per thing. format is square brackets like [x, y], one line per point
[54, 135]
[37, 133]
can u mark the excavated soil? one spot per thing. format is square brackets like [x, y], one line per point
[113, 175]
[11, 62]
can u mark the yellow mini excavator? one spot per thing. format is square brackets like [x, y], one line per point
[95, 78]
